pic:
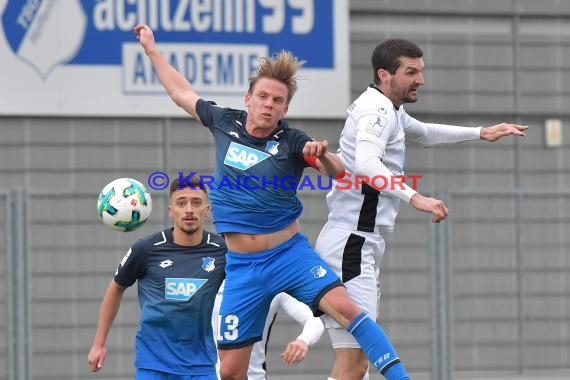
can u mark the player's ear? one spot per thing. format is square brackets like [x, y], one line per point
[170, 211]
[383, 74]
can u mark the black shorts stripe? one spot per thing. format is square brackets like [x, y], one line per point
[264, 365]
[352, 257]
[367, 216]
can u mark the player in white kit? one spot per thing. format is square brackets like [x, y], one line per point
[361, 217]
[297, 349]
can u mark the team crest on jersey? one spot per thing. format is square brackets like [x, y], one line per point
[318, 271]
[376, 125]
[34, 28]
[271, 147]
[208, 264]
[243, 157]
[182, 289]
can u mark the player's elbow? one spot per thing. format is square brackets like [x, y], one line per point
[360, 164]
[178, 97]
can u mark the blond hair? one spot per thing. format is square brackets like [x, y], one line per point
[282, 67]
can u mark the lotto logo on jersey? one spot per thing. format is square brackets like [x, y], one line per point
[181, 289]
[242, 157]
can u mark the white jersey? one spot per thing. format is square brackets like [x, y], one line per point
[372, 117]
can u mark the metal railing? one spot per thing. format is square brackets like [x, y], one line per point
[18, 330]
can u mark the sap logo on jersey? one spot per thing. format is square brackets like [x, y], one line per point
[181, 289]
[243, 157]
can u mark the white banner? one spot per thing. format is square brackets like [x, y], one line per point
[81, 58]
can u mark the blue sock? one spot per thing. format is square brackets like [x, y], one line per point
[377, 347]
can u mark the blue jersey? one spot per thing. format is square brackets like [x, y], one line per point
[177, 287]
[255, 181]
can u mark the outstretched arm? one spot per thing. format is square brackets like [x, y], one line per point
[109, 309]
[173, 82]
[369, 164]
[428, 134]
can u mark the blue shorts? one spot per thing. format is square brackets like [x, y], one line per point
[151, 374]
[253, 279]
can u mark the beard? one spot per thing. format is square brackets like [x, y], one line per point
[404, 95]
[189, 230]
[409, 99]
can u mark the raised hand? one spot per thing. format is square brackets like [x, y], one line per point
[145, 36]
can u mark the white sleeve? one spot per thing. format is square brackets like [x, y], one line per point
[369, 163]
[312, 326]
[428, 134]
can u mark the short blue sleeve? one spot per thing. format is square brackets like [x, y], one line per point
[132, 266]
[210, 114]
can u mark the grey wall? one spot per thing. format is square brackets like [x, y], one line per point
[511, 271]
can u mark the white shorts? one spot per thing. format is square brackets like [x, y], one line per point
[355, 257]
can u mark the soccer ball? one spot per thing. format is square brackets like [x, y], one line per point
[124, 204]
